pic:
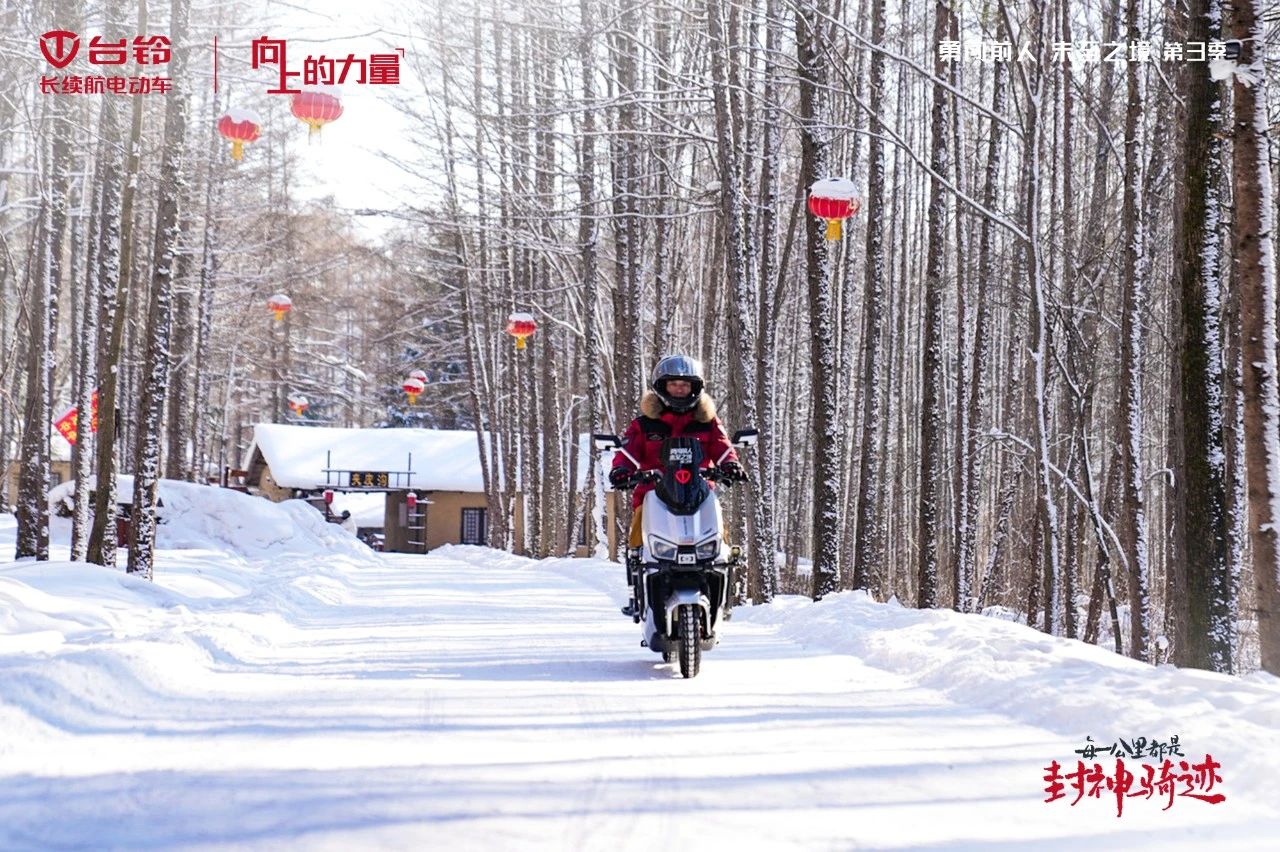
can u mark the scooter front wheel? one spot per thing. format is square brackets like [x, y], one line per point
[690, 644]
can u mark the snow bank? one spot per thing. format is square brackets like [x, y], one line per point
[215, 546]
[201, 517]
[440, 693]
[1067, 687]
[218, 550]
[1063, 685]
[256, 529]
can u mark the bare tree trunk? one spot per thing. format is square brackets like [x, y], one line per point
[33, 484]
[628, 322]
[178, 459]
[1205, 600]
[813, 41]
[765, 492]
[32, 509]
[1048, 557]
[554, 512]
[486, 381]
[931, 409]
[86, 358]
[982, 348]
[868, 567]
[743, 301]
[1134, 525]
[588, 238]
[1256, 273]
[146, 482]
[209, 265]
[1011, 414]
[117, 267]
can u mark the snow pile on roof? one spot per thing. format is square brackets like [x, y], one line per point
[367, 510]
[442, 459]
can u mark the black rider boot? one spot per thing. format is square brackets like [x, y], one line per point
[632, 610]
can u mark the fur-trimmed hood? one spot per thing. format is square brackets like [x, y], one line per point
[651, 406]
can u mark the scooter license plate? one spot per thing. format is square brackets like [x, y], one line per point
[686, 559]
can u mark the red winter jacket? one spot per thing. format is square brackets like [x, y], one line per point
[656, 423]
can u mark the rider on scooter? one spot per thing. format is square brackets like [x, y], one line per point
[674, 407]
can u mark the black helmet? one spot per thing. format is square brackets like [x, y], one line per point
[678, 367]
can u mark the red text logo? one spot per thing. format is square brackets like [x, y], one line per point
[59, 47]
[378, 69]
[1162, 780]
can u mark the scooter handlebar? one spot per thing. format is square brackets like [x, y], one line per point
[648, 477]
[718, 476]
[643, 477]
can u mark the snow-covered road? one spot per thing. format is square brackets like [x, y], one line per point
[474, 700]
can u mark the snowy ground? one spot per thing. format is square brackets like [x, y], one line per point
[279, 686]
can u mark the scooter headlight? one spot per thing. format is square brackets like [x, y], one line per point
[708, 550]
[664, 550]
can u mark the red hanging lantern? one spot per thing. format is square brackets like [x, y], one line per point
[316, 106]
[328, 496]
[411, 500]
[413, 387]
[834, 199]
[521, 326]
[242, 127]
[280, 304]
[298, 404]
[420, 375]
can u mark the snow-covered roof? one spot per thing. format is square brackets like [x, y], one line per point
[442, 459]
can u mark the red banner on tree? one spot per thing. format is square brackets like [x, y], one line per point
[68, 424]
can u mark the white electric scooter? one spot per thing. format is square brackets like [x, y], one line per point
[682, 572]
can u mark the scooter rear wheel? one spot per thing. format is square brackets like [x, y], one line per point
[690, 646]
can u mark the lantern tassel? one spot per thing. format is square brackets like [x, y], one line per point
[413, 399]
[520, 342]
[237, 150]
[279, 314]
[833, 229]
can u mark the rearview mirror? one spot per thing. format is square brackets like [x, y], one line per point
[605, 441]
[746, 437]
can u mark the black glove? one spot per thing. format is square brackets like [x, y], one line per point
[620, 476]
[733, 471]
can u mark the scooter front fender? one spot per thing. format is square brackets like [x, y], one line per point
[680, 597]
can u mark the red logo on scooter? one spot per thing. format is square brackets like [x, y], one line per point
[59, 47]
[683, 476]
